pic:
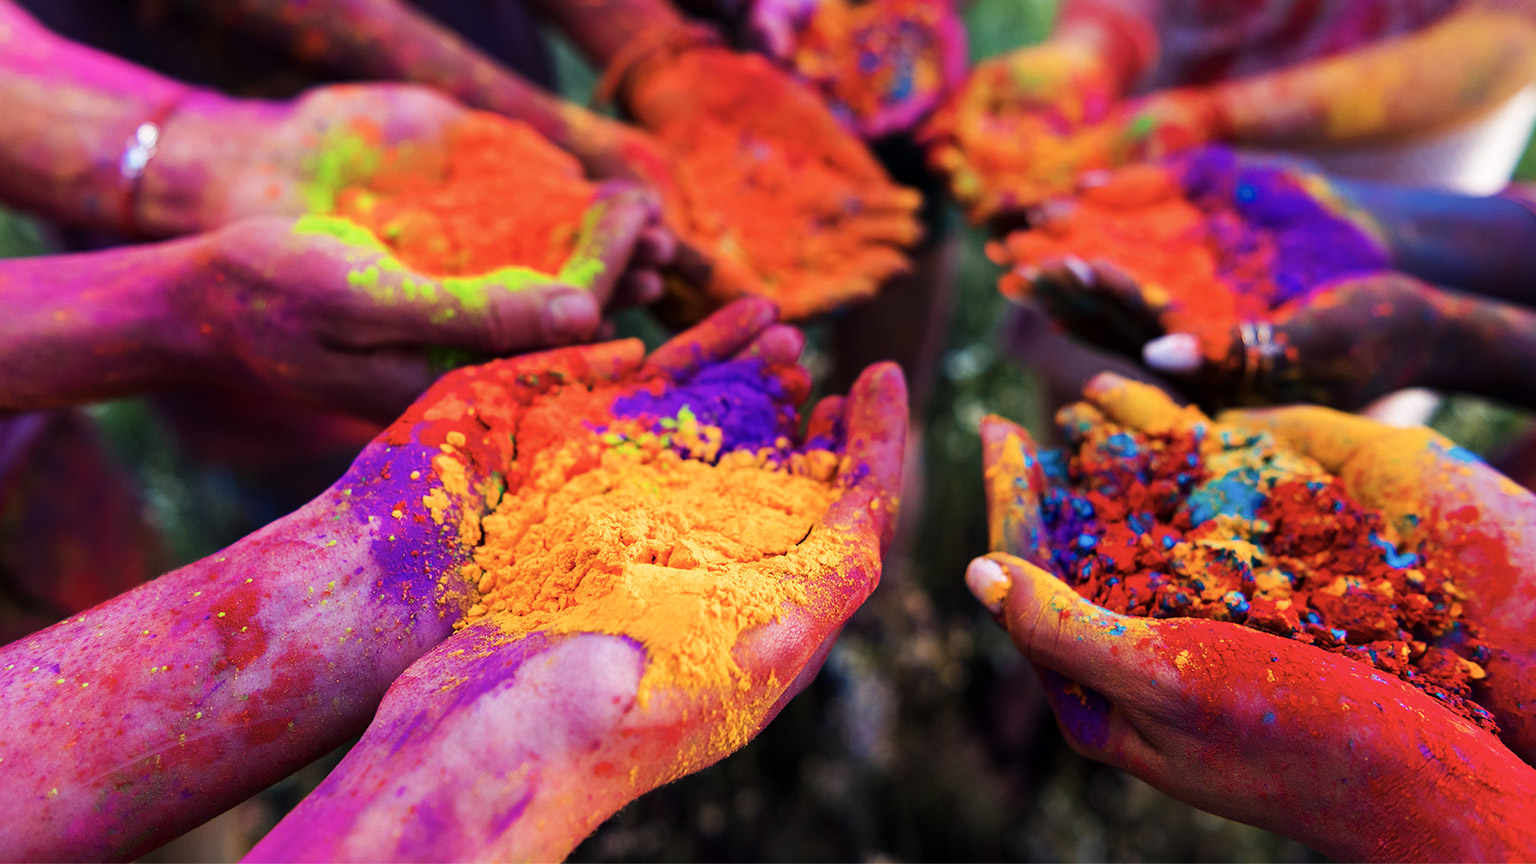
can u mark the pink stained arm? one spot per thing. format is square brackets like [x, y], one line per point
[390, 40]
[1123, 33]
[69, 114]
[98, 325]
[139, 718]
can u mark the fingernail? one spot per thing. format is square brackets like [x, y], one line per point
[988, 583]
[1178, 353]
[573, 313]
[1079, 270]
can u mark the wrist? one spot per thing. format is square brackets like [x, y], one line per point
[648, 49]
[203, 135]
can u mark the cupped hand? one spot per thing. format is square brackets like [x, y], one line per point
[501, 747]
[779, 197]
[284, 305]
[1345, 345]
[881, 66]
[1239, 722]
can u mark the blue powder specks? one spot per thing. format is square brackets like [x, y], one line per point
[1233, 495]
[1389, 553]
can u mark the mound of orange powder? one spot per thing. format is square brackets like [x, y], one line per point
[497, 195]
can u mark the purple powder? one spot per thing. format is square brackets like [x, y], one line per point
[1257, 207]
[749, 407]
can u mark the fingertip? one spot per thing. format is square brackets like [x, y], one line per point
[988, 584]
[1175, 354]
[656, 247]
[571, 315]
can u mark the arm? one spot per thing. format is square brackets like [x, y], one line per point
[1483, 245]
[389, 40]
[78, 328]
[602, 29]
[1401, 87]
[69, 115]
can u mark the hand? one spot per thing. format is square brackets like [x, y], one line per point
[285, 306]
[1345, 345]
[1239, 722]
[1047, 92]
[785, 202]
[523, 744]
[881, 66]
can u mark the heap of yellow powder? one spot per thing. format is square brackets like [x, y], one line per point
[679, 554]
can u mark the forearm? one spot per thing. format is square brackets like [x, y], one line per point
[83, 327]
[69, 115]
[140, 718]
[390, 40]
[1482, 245]
[1411, 85]
[1486, 349]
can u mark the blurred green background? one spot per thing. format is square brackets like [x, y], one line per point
[925, 737]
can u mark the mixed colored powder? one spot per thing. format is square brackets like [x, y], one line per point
[869, 57]
[781, 216]
[1209, 520]
[678, 516]
[1018, 158]
[1209, 241]
[494, 195]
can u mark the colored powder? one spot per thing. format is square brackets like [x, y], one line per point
[1208, 520]
[1017, 159]
[625, 513]
[781, 216]
[1209, 242]
[869, 57]
[495, 195]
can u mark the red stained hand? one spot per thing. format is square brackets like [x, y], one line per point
[1251, 726]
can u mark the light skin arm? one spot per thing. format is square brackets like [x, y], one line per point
[1414, 84]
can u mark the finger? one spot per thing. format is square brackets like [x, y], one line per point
[377, 384]
[715, 338]
[1097, 301]
[638, 288]
[876, 416]
[1330, 437]
[898, 229]
[656, 247]
[778, 345]
[1140, 406]
[1014, 483]
[826, 420]
[608, 238]
[488, 317]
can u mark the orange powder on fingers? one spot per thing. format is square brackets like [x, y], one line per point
[497, 195]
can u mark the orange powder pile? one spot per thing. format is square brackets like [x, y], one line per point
[1142, 223]
[782, 216]
[497, 195]
[681, 555]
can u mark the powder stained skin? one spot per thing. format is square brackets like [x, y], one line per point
[1212, 521]
[1209, 241]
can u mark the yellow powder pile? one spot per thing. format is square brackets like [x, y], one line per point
[679, 554]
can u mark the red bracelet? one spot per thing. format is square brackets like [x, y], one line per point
[141, 147]
[649, 45]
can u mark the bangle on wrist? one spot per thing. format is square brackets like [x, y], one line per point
[140, 148]
[648, 46]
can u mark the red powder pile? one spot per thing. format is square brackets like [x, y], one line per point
[497, 195]
[1139, 526]
[1141, 222]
